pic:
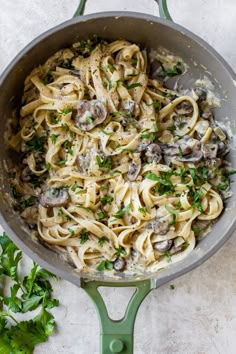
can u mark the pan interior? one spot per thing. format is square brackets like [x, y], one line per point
[150, 33]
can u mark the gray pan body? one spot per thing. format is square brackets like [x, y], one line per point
[150, 32]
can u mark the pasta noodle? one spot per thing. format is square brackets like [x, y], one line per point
[118, 172]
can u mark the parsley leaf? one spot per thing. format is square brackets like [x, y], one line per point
[83, 236]
[105, 265]
[104, 163]
[120, 213]
[143, 210]
[106, 199]
[101, 240]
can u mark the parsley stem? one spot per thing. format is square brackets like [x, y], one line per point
[80, 9]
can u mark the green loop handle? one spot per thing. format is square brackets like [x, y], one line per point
[116, 336]
[163, 8]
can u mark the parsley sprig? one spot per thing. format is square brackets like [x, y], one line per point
[35, 290]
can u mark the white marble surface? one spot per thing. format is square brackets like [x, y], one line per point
[199, 315]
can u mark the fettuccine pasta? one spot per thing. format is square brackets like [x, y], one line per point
[118, 172]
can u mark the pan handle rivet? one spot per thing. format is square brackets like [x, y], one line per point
[116, 346]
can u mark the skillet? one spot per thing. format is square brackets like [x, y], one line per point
[150, 32]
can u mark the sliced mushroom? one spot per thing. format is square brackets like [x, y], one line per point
[209, 151]
[119, 264]
[134, 167]
[75, 72]
[26, 174]
[186, 145]
[133, 172]
[142, 147]
[196, 156]
[54, 197]
[82, 163]
[201, 93]
[89, 114]
[153, 153]
[163, 246]
[202, 224]
[175, 249]
[160, 225]
[128, 106]
[184, 108]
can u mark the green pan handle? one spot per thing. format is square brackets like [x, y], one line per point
[164, 12]
[116, 336]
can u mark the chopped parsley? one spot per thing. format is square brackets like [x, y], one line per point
[101, 215]
[156, 105]
[89, 120]
[180, 152]
[173, 212]
[109, 86]
[164, 184]
[120, 213]
[85, 208]
[104, 163]
[83, 236]
[101, 240]
[132, 86]
[54, 137]
[61, 162]
[25, 203]
[71, 232]
[105, 265]
[114, 172]
[66, 111]
[143, 210]
[167, 256]
[121, 251]
[37, 143]
[105, 132]
[74, 187]
[107, 199]
[53, 118]
[196, 230]
[147, 136]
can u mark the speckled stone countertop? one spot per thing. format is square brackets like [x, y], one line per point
[198, 316]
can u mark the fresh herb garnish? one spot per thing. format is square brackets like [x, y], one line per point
[106, 199]
[83, 236]
[121, 251]
[25, 203]
[196, 196]
[120, 213]
[147, 136]
[114, 172]
[71, 231]
[66, 111]
[101, 215]
[60, 162]
[89, 120]
[104, 163]
[105, 265]
[196, 230]
[85, 208]
[155, 127]
[156, 105]
[175, 70]
[37, 143]
[164, 184]
[105, 132]
[131, 86]
[180, 151]
[54, 137]
[229, 173]
[101, 240]
[53, 118]
[171, 128]
[143, 210]
[173, 212]
[74, 187]
[109, 86]
[167, 256]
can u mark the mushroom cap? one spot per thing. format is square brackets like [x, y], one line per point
[89, 114]
[54, 197]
